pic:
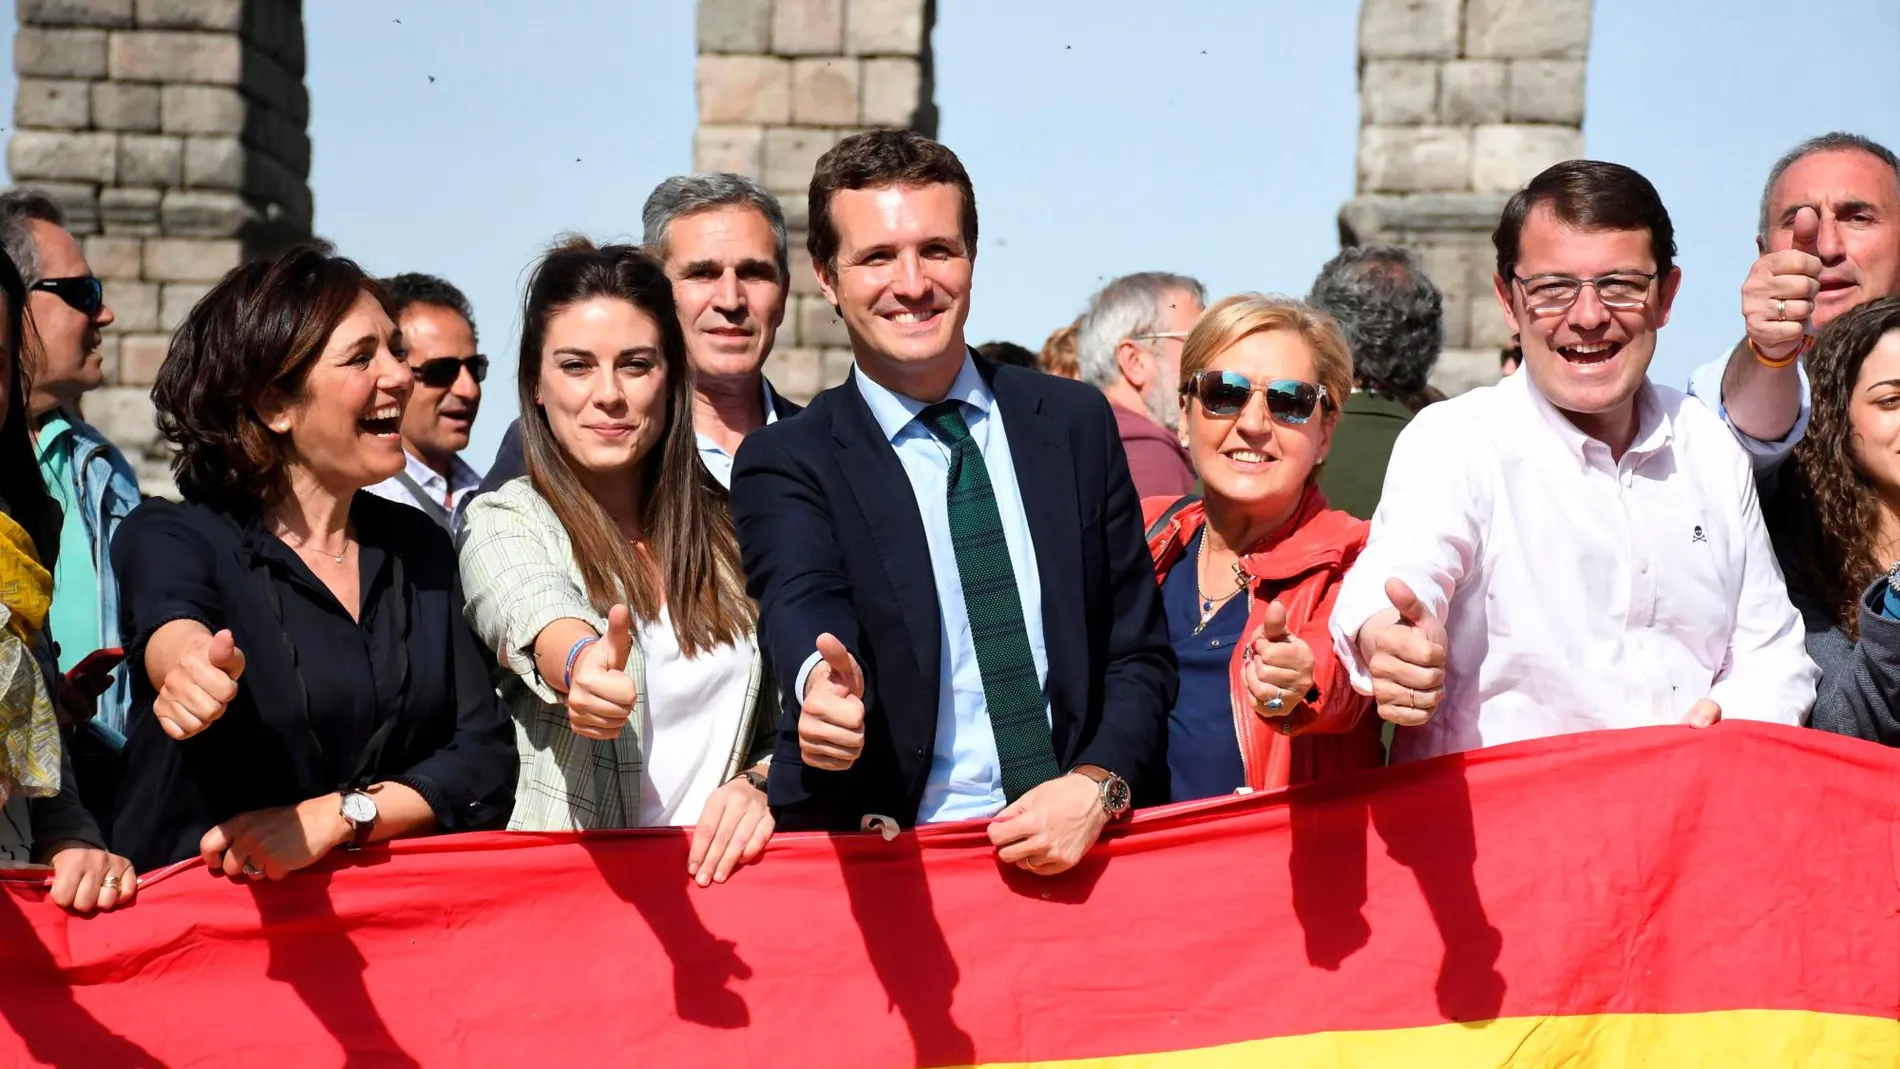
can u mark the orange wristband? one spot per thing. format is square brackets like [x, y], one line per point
[1807, 342]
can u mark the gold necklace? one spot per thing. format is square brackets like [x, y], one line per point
[1210, 606]
[303, 547]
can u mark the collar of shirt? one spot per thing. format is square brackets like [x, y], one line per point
[707, 445]
[1654, 429]
[52, 433]
[895, 413]
[461, 477]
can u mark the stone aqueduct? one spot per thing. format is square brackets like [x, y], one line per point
[173, 131]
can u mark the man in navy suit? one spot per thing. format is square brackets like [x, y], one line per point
[954, 591]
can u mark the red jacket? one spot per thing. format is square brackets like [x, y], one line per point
[1335, 734]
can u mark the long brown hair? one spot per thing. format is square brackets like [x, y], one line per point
[695, 569]
[1825, 513]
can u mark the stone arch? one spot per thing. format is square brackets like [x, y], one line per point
[173, 131]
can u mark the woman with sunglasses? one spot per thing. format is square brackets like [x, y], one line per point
[1834, 515]
[1249, 569]
[608, 578]
[303, 678]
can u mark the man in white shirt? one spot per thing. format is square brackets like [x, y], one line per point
[1575, 548]
[438, 339]
[1829, 237]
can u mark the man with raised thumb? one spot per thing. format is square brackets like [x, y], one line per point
[1404, 649]
[831, 720]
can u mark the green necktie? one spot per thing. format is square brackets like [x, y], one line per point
[1010, 687]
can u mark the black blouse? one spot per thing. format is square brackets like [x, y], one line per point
[325, 702]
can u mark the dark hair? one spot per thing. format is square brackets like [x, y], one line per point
[694, 569]
[23, 495]
[1588, 195]
[1007, 352]
[259, 329]
[1392, 315]
[413, 287]
[1825, 515]
[873, 160]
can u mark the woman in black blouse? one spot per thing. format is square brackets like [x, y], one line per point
[307, 681]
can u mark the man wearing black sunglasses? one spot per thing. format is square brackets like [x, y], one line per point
[438, 339]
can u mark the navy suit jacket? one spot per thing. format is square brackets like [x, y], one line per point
[833, 542]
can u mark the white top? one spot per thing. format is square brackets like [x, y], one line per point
[450, 493]
[1578, 592]
[693, 709]
[1705, 385]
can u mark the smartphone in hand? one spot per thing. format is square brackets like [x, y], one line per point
[92, 676]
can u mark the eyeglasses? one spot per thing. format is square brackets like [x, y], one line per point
[83, 293]
[1550, 294]
[444, 370]
[1158, 335]
[1224, 395]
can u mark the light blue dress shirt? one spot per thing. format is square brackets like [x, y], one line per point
[716, 459]
[966, 777]
[1705, 385]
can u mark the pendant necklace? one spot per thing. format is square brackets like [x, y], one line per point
[1211, 606]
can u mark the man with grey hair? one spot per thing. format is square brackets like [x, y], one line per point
[94, 485]
[1829, 238]
[1394, 322]
[1128, 345]
[721, 239]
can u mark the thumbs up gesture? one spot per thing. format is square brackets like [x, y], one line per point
[1279, 668]
[831, 721]
[199, 687]
[601, 695]
[1778, 295]
[1404, 649]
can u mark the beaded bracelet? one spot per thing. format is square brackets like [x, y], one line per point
[567, 675]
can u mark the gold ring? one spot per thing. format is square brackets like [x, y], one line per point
[111, 882]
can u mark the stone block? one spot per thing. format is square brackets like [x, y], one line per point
[191, 14]
[176, 302]
[176, 56]
[1463, 370]
[837, 364]
[194, 213]
[214, 163]
[115, 259]
[1472, 91]
[125, 416]
[59, 53]
[735, 25]
[1547, 90]
[109, 355]
[201, 109]
[189, 260]
[1375, 217]
[884, 27]
[796, 207]
[1457, 318]
[738, 149]
[892, 92]
[126, 106]
[1503, 158]
[744, 89]
[1447, 263]
[107, 13]
[140, 357]
[798, 373]
[1525, 29]
[134, 306]
[825, 91]
[55, 104]
[1488, 329]
[71, 157]
[129, 211]
[80, 202]
[818, 325]
[1398, 91]
[804, 281]
[150, 159]
[1410, 159]
[790, 154]
[808, 27]
[1409, 29]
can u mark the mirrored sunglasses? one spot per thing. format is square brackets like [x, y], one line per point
[1224, 395]
[83, 293]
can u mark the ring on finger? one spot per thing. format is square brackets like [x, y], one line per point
[252, 870]
[1278, 700]
[1781, 310]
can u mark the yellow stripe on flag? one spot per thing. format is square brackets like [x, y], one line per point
[1730, 1039]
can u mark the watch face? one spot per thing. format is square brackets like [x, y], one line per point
[359, 807]
[1115, 795]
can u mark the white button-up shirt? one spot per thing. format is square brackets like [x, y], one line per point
[1579, 592]
[450, 494]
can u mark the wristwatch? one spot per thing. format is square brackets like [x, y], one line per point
[753, 777]
[360, 810]
[1116, 796]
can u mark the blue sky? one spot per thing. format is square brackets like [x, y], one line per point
[1211, 137]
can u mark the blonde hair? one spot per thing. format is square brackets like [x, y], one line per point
[1243, 315]
[1058, 353]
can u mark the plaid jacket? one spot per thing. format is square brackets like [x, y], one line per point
[519, 576]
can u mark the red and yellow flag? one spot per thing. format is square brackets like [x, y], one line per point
[1659, 897]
